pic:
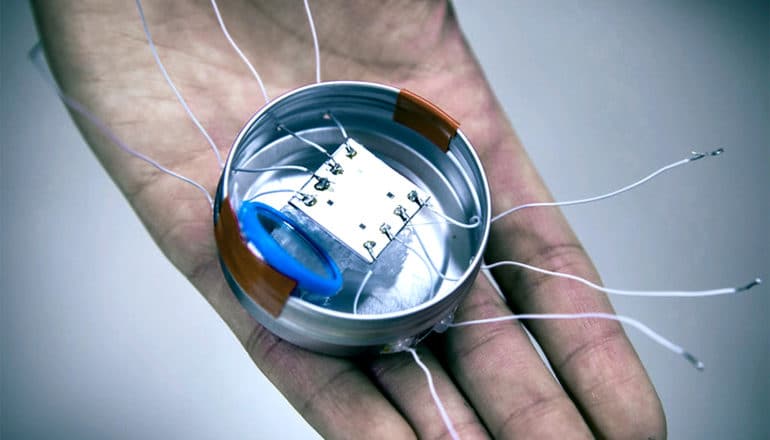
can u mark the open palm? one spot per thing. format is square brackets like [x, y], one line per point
[489, 377]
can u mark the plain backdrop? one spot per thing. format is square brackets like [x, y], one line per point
[101, 338]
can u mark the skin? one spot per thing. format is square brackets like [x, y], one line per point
[490, 378]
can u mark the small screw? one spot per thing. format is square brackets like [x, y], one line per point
[413, 197]
[401, 212]
[385, 229]
[307, 199]
[349, 151]
[335, 168]
[323, 184]
[369, 246]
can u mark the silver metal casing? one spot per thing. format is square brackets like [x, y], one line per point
[453, 177]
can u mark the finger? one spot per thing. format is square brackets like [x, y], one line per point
[334, 395]
[593, 358]
[502, 375]
[406, 385]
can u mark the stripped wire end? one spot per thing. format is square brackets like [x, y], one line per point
[753, 283]
[693, 360]
[698, 155]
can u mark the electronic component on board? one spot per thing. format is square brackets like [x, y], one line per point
[360, 200]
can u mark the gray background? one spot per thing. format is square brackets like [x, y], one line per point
[101, 338]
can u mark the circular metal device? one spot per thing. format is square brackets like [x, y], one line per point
[352, 217]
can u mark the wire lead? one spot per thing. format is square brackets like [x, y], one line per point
[360, 290]
[425, 257]
[429, 266]
[338, 124]
[275, 168]
[474, 221]
[35, 59]
[171, 84]
[315, 43]
[753, 283]
[271, 191]
[595, 315]
[695, 156]
[439, 405]
[693, 360]
[306, 141]
[663, 293]
[239, 52]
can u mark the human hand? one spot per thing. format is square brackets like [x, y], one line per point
[489, 377]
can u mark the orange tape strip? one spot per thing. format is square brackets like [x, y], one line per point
[424, 117]
[266, 286]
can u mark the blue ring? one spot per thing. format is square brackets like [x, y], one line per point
[281, 260]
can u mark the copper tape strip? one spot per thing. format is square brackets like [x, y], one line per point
[424, 117]
[266, 286]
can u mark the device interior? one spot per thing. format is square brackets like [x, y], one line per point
[423, 246]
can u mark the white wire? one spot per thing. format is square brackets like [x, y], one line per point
[360, 289]
[272, 191]
[339, 125]
[424, 261]
[275, 168]
[427, 256]
[315, 43]
[239, 52]
[306, 141]
[78, 108]
[179, 97]
[695, 156]
[663, 293]
[474, 221]
[598, 315]
[439, 405]
[492, 281]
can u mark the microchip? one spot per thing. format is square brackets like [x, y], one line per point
[360, 200]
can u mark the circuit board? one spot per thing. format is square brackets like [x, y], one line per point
[359, 199]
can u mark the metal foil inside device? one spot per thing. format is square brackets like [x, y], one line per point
[330, 217]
